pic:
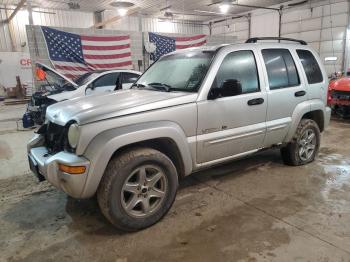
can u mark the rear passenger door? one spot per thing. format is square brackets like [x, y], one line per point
[285, 92]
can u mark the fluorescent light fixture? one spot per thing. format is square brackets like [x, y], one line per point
[122, 11]
[224, 8]
[330, 58]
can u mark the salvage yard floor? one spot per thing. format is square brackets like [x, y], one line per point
[254, 209]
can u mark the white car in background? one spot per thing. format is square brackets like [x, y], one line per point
[56, 87]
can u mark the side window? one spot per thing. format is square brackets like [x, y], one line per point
[240, 66]
[281, 69]
[311, 67]
[129, 78]
[106, 80]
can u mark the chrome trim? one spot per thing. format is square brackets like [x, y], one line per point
[220, 140]
[277, 127]
[225, 159]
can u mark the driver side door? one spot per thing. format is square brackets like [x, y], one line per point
[233, 124]
[105, 83]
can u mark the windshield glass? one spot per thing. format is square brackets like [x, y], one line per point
[178, 72]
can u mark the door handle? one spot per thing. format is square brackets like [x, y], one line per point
[300, 93]
[255, 101]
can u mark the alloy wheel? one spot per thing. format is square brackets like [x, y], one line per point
[307, 145]
[144, 191]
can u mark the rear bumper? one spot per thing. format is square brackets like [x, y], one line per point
[45, 165]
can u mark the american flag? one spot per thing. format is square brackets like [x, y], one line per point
[73, 55]
[165, 44]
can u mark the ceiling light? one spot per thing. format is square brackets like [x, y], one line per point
[122, 4]
[331, 58]
[224, 8]
[122, 11]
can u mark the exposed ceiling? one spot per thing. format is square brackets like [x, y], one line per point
[175, 9]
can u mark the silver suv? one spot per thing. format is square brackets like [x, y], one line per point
[190, 110]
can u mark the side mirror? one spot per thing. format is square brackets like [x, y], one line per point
[91, 86]
[230, 87]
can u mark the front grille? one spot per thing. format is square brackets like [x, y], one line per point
[343, 95]
[55, 137]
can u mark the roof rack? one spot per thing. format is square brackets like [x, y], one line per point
[255, 39]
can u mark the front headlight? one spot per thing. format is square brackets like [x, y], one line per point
[73, 135]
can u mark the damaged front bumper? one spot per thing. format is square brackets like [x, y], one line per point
[46, 166]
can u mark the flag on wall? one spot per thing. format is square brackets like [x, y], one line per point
[165, 44]
[73, 55]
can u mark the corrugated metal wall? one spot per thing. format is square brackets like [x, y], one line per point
[323, 27]
[321, 24]
[50, 18]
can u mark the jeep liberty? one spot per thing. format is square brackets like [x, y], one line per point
[190, 110]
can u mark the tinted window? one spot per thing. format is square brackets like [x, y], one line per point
[130, 77]
[241, 66]
[310, 65]
[107, 80]
[280, 68]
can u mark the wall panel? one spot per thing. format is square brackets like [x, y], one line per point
[49, 18]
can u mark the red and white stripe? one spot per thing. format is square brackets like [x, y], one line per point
[100, 53]
[190, 41]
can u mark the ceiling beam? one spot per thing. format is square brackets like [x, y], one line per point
[13, 14]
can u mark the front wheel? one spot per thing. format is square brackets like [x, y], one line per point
[137, 189]
[304, 146]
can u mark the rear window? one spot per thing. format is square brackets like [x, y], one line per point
[281, 69]
[311, 67]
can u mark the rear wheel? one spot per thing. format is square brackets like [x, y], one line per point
[137, 189]
[304, 146]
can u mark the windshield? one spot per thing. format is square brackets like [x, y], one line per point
[178, 72]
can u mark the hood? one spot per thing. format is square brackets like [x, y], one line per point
[88, 109]
[55, 73]
[341, 84]
[60, 96]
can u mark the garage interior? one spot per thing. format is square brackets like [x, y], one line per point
[251, 209]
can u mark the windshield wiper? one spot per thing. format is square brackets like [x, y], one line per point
[165, 87]
[137, 85]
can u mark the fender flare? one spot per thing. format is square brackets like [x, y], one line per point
[298, 113]
[102, 147]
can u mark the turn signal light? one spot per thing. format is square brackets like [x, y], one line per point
[74, 170]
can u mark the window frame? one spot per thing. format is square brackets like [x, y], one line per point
[125, 73]
[318, 65]
[110, 73]
[267, 74]
[256, 67]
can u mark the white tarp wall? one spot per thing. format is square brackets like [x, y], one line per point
[321, 24]
[14, 64]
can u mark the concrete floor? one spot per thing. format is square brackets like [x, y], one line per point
[255, 209]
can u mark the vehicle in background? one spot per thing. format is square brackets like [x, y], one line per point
[339, 95]
[190, 110]
[55, 87]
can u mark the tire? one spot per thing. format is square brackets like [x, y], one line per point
[124, 173]
[292, 154]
